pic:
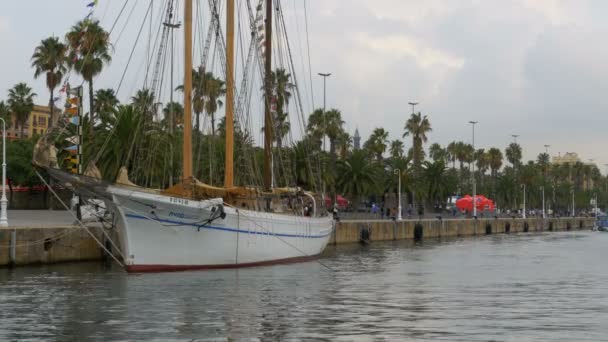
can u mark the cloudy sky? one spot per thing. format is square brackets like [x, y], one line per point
[536, 68]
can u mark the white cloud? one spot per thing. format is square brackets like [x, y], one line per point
[401, 45]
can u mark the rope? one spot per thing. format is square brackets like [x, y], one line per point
[82, 225]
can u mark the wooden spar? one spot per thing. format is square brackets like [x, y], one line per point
[268, 97]
[187, 147]
[229, 162]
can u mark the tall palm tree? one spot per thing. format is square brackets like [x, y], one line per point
[330, 124]
[397, 148]
[50, 58]
[173, 111]
[143, 102]
[88, 52]
[281, 85]
[344, 144]
[437, 153]
[494, 160]
[216, 88]
[417, 126]
[451, 152]
[543, 161]
[377, 142]
[513, 153]
[21, 102]
[105, 102]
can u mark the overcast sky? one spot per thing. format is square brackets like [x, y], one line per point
[536, 68]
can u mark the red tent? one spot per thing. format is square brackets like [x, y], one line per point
[341, 201]
[482, 203]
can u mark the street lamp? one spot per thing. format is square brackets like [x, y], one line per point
[547, 149]
[399, 217]
[515, 137]
[3, 200]
[413, 104]
[325, 76]
[572, 192]
[543, 192]
[524, 211]
[473, 173]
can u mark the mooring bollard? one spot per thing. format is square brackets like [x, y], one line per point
[418, 232]
[364, 235]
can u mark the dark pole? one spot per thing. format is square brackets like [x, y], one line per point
[267, 118]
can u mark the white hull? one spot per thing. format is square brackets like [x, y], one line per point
[162, 233]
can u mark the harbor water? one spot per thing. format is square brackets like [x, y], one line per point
[518, 287]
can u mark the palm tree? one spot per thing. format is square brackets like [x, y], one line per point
[5, 113]
[88, 52]
[143, 102]
[329, 123]
[451, 152]
[49, 58]
[105, 102]
[21, 102]
[513, 153]
[281, 87]
[494, 160]
[357, 175]
[173, 111]
[438, 183]
[417, 126]
[344, 144]
[216, 88]
[543, 161]
[482, 161]
[437, 153]
[397, 148]
[377, 142]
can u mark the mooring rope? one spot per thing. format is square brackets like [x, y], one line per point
[82, 225]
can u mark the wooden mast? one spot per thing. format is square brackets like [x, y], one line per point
[187, 147]
[229, 167]
[268, 98]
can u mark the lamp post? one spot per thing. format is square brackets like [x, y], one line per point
[413, 104]
[325, 76]
[3, 200]
[515, 138]
[524, 211]
[473, 173]
[572, 192]
[543, 192]
[398, 173]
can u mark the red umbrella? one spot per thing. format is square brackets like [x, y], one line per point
[481, 202]
[341, 201]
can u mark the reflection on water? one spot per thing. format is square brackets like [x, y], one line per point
[531, 287]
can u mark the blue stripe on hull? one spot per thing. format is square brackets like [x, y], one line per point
[227, 229]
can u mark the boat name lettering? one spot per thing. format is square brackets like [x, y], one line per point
[178, 200]
[182, 215]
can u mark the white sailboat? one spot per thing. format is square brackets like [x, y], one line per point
[196, 226]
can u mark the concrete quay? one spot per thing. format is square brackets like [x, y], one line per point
[385, 230]
[50, 237]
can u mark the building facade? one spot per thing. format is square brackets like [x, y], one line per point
[36, 124]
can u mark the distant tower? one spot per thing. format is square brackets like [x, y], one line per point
[357, 140]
